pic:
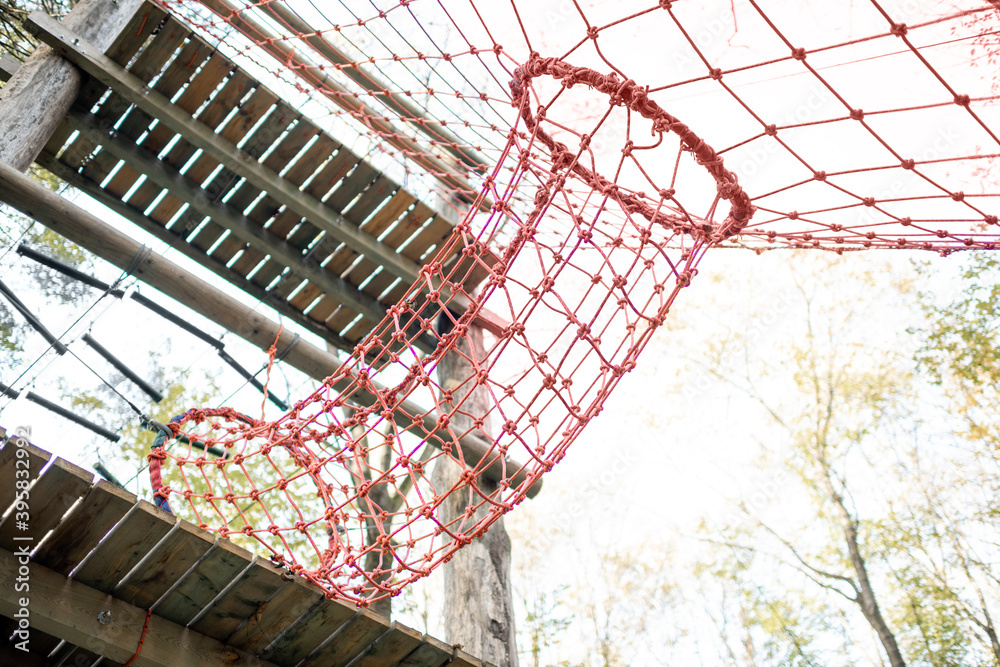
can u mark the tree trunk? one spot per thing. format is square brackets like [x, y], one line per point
[478, 610]
[37, 97]
[866, 594]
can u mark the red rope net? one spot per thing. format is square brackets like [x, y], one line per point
[594, 153]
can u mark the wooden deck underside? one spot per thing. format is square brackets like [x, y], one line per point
[252, 238]
[128, 556]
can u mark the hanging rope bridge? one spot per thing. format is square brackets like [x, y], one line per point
[596, 153]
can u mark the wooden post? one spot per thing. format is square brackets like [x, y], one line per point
[479, 608]
[37, 97]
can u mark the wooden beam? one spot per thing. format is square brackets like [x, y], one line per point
[67, 609]
[34, 101]
[86, 230]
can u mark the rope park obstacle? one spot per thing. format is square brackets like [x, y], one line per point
[586, 200]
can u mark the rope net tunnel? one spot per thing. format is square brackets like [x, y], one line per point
[594, 152]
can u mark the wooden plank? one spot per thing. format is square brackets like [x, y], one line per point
[309, 162]
[351, 641]
[407, 226]
[39, 93]
[76, 656]
[259, 103]
[291, 144]
[180, 70]
[148, 64]
[377, 192]
[16, 657]
[342, 317]
[61, 485]
[302, 638]
[171, 558]
[400, 203]
[266, 274]
[470, 270]
[135, 34]
[80, 531]
[223, 181]
[304, 236]
[225, 100]
[19, 466]
[204, 583]
[341, 164]
[436, 231]
[392, 647]
[247, 262]
[305, 296]
[351, 186]
[431, 653]
[187, 191]
[240, 605]
[322, 310]
[137, 121]
[41, 644]
[118, 553]
[288, 607]
[69, 609]
[198, 89]
[359, 329]
[288, 284]
[194, 95]
[379, 284]
[207, 236]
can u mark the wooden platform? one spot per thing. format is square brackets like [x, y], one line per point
[191, 148]
[96, 548]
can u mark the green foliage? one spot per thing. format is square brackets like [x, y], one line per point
[14, 39]
[961, 338]
[960, 349]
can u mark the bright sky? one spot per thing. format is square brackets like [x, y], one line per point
[650, 448]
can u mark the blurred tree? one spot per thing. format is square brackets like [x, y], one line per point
[14, 39]
[896, 521]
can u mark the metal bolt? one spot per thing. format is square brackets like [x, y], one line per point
[104, 618]
[76, 40]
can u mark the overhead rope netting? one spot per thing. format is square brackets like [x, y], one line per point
[593, 152]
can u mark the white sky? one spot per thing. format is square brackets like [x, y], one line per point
[651, 448]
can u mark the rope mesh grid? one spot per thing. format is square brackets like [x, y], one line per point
[588, 192]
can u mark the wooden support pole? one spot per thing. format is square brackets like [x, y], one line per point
[478, 604]
[36, 99]
[118, 248]
[69, 610]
